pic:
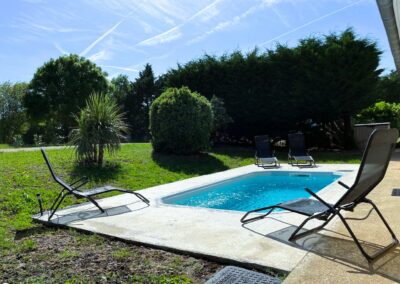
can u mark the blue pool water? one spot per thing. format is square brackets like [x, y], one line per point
[254, 190]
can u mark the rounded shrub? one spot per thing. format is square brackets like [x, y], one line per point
[180, 122]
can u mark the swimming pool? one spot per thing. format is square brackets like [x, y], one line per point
[253, 190]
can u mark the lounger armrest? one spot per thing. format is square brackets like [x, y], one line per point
[319, 198]
[344, 185]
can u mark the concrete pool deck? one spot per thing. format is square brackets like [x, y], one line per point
[336, 259]
[216, 234]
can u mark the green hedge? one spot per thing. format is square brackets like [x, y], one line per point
[381, 112]
[180, 122]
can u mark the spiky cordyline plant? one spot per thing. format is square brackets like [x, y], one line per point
[101, 127]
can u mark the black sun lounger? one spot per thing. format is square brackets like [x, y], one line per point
[372, 170]
[298, 154]
[264, 154]
[72, 189]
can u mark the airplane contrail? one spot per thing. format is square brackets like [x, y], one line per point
[311, 22]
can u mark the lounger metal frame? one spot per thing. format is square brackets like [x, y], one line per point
[342, 204]
[72, 189]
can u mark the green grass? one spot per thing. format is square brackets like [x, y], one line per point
[5, 146]
[24, 174]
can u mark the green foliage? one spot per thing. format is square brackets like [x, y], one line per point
[180, 122]
[322, 80]
[24, 174]
[100, 127]
[135, 99]
[381, 112]
[388, 89]
[221, 118]
[13, 121]
[58, 90]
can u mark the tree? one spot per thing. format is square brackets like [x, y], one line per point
[12, 113]
[100, 127]
[121, 88]
[138, 101]
[60, 88]
[388, 88]
[323, 80]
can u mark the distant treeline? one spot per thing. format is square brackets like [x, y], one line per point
[318, 87]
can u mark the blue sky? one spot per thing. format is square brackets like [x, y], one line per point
[122, 35]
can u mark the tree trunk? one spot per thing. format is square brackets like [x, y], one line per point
[101, 154]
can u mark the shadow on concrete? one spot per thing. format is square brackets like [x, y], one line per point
[340, 249]
[65, 219]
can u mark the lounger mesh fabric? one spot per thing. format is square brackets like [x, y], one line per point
[298, 151]
[237, 275]
[264, 152]
[297, 144]
[307, 206]
[263, 145]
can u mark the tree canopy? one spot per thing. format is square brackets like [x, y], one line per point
[60, 88]
[321, 80]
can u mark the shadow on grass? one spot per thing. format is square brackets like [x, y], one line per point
[234, 151]
[95, 173]
[200, 164]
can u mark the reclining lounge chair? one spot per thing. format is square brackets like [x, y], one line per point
[72, 189]
[372, 170]
[264, 154]
[298, 154]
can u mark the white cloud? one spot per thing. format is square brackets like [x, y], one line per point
[120, 68]
[281, 17]
[234, 21]
[175, 32]
[170, 35]
[99, 39]
[101, 55]
[60, 49]
[311, 22]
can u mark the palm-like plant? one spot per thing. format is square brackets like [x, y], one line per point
[101, 127]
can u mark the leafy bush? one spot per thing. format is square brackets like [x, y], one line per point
[180, 122]
[381, 112]
[100, 127]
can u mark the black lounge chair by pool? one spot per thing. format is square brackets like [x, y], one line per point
[372, 170]
[298, 154]
[264, 154]
[72, 189]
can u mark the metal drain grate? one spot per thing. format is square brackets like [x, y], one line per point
[396, 192]
[237, 275]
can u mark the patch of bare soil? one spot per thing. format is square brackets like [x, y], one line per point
[67, 256]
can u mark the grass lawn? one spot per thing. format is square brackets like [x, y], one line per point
[24, 174]
[5, 146]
